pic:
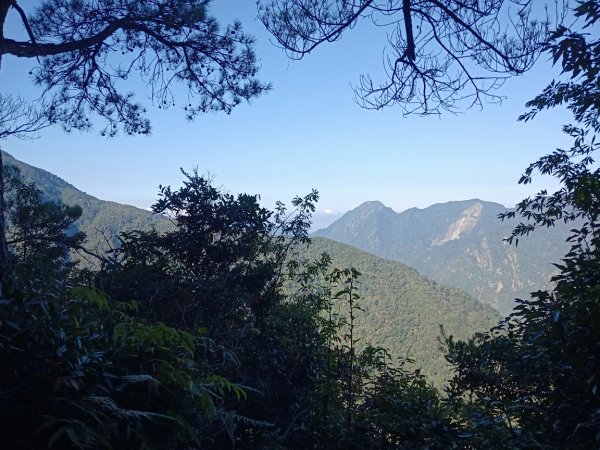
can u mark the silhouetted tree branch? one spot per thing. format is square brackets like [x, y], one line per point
[441, 53]
[89, 49]
[21, 119]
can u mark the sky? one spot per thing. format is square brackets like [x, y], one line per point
[308, 133]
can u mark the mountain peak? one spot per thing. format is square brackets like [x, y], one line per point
[372, 205]
[460, 243]
[371, 211]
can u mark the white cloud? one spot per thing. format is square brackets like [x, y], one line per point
[328, 211]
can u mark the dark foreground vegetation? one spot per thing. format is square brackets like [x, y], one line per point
[217, 334]
[184, 339]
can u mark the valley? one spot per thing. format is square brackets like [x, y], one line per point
[404, 311]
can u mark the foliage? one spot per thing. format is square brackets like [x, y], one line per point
[79, 370]
[577, 52]
[88, 50]
[401, 411]
[440, 53]
[403, 310]
[532, 382]
[360, 399]
[40, 233]
[221, 263]
[220, 268]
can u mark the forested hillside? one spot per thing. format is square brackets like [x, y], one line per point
[222, 328]
[461, 244]
[403, 310]
[100, 220]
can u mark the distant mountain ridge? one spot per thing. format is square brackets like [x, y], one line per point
[459, 243]
[101, 220]
[403, 310]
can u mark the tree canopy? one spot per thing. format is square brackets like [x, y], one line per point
[88, 49]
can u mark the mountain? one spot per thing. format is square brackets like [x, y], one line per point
[403, 310]
[460, 244]
[101, 220]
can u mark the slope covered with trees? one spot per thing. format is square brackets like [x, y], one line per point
[100, 220]
[403, 311]
[461, 244]
[186, 338]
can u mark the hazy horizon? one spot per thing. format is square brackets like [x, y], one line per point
[308, 133]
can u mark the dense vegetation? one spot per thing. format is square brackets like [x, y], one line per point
[403, 311]
[186, 338]
[458, 244]
[216, 333]
[406, 313]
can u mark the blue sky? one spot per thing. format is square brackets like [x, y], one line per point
[308, 133]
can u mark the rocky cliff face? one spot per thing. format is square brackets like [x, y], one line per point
[460, 244]
[467, 221]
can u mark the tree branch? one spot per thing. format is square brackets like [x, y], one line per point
[410, 40]
[477, 36]
[31, 49]
[24, 20]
